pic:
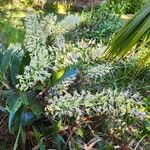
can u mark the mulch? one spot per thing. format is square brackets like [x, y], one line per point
[6, 139]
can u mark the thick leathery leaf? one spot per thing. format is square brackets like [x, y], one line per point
[5, 60]
[25, 61]
[27, 117]
[64, 73]
[24, 99]
[21, 117]
[10, 122]
[36, 108]
[14, 69]
[1, 56]
[71, 72]
[14, 121]
[13, 103]
[57, 75]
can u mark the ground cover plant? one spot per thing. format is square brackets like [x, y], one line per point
[62, 84]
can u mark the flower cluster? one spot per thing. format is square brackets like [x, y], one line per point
[45, 42]
[108, 101]
[61, 88]
[90, 50]
[98, 70]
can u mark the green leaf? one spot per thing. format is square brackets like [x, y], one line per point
[57, 75]
[64, 73]
[7, 93]
[14, 68]
[58, 141]
[25, 61]
[80, 132]
[38, 138]
[130, 35]
[10, 120]
[36, 134]
[36, 108]
[57, 126]
[5, 60]
[13, 103]
[42, 146]
[21, 116]
[27, 117]
[24, 99]
[13, 121]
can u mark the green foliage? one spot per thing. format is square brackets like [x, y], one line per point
[101, 23]
[23, 109]
[5, 61]
[38, 138]
[128, 6]
[70, 98]
[109, 102]
[16, 102]
[10, 33]
[130, 35]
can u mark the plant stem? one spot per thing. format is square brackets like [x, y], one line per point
[17, 139]
[140, 142]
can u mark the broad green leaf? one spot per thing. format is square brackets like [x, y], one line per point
[8, 93]
[130, 35]
[13, 103]
[14, 68]
[63, 74]
[10, 120]
[24, 98]
[57, 75]
[27, 117]
[14, 121]
[5, 60]
[70, 72]
[25, 61]
[59, 140]
[36, 108]
[57, 126]
[21, 116]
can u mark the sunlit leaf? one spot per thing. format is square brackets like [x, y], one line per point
[130, 35]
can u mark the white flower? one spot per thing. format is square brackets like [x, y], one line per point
[107, 101]
[45, 56]
[70, 22]
[98, 70]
